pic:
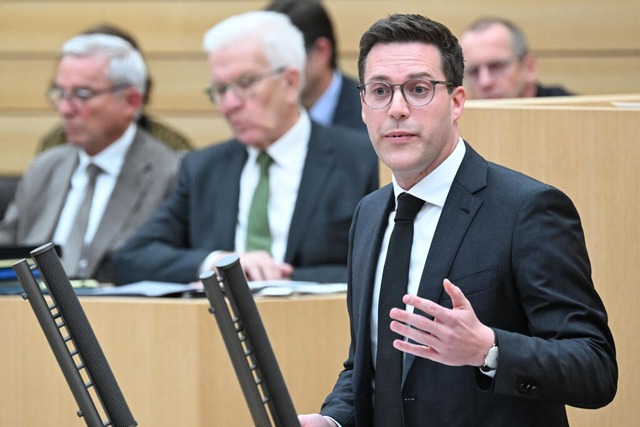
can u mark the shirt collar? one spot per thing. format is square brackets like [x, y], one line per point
[290, 150]
[435, 187]
[111, 159]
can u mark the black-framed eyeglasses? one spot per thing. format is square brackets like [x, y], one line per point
[241, 88]
[78, 95]
[417, 92]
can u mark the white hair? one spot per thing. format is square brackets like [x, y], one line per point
[126, 65]
[283, 43]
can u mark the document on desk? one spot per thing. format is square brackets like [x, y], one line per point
[142, 289]
[166, 289]
[290, 287]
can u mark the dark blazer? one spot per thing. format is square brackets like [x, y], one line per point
[516, 248]
[348, 111]
[148, 175]
[200, 215]
[551, 91]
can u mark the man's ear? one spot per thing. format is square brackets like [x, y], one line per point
[458, 98]
[323, 48]
[293, 80]
[530, 67]
[134, 99]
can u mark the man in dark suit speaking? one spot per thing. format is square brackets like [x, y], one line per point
[488, 316]
[281, 193]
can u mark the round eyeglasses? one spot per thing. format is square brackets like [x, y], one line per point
[78, 96]
[417, 92]
[241, 88]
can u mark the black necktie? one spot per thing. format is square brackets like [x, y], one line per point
[395, 277]
[74, 255]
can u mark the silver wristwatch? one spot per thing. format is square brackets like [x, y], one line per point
[490, 359]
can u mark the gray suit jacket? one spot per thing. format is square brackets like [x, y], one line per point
[147, 176]
[516, 248]
[200, 215]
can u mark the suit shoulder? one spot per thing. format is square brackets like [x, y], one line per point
[344, 138]
[51, 156]
[217, 149]
[517, 181]
[377, 197]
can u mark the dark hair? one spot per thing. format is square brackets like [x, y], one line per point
[415, 28]
[311, 18]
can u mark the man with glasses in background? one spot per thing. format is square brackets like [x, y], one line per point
[91, 194]
[281, 193]
[498, 63]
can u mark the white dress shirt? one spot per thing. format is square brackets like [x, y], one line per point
[288, 154]
[110, 160]
[433, 189]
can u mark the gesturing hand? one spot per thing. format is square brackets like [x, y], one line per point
[454, 337]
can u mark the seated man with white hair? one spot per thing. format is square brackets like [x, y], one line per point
[281, 193]
[92, 193]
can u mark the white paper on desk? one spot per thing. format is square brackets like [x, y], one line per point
[628, 105]
[288, 287]
[144, 288]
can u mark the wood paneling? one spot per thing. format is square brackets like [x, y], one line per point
[169, 359]
[588, 47]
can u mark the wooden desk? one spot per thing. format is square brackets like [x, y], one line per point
[170, 360]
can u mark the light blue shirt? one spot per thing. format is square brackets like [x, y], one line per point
[324, 108]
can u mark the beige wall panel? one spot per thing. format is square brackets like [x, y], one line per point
[159, 26]
[592, 75]
[177, 26]
[169, 360]
[19, 138]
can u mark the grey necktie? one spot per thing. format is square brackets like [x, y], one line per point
[74, 253]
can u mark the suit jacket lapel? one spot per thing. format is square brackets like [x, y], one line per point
[59, 183]
[371, 223]
[317, 167]
[128, 193]
[459, 210]
[226, 193]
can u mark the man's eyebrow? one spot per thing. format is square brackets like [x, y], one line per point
[424, 74]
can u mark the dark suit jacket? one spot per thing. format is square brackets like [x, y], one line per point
[200, 215]
[348, 110]
[516, 248]
[147, 176]
[551, 91]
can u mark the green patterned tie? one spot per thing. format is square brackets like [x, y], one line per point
[258, 233]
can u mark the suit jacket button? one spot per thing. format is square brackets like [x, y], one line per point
[522, 388]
